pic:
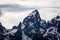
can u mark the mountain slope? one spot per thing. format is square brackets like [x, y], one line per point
[35, 28]
[34, 25]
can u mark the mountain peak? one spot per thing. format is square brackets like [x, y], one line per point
[34, 16]
[34, 13]
[32, 23]
[57, 18]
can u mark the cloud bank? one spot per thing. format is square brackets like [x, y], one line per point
[14, 8]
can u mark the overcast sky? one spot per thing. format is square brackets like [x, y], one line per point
[14, 11]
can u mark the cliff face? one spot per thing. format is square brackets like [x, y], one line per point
[35, 28]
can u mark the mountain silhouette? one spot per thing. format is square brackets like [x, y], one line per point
[33, 24]
[35, 28]
[2, 31]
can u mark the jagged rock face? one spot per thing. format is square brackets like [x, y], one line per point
[2, 31]
[53, 29]
[18, 34]
[1, 28]
[33, 24]
[35, 28]
[14, 34]
[43, 24]
[56, 22]
[14, 27]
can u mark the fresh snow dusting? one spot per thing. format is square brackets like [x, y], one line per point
[33, 13]
[11, 32]
[33, 27]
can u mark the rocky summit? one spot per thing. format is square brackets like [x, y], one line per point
[35, 28]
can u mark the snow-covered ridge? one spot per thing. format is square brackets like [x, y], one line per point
[33, 28]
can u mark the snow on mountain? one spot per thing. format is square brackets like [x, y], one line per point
[33, 27]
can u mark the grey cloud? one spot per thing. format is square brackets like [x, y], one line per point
[14, 7]
[17, 8]
[1, 13]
